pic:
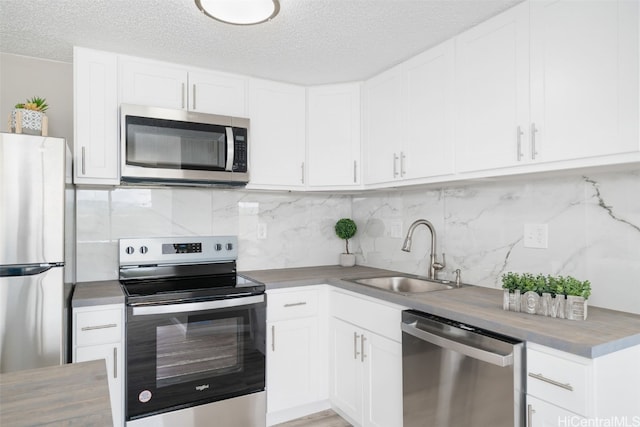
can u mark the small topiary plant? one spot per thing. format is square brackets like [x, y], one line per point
[345, 229]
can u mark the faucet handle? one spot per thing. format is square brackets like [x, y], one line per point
[440, 265]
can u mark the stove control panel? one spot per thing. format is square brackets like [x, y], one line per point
[167, 250]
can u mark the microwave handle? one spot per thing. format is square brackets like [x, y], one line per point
[230, 149]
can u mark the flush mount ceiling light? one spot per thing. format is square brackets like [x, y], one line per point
[240, 12]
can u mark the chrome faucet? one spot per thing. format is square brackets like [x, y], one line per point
[434, 266]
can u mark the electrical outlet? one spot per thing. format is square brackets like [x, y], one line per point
[261, 232]
[396, 229]
[536, 236]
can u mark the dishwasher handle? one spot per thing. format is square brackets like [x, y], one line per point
[450, 344]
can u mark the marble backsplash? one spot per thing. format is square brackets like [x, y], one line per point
[593, 231]
[299, 227]
[593, 222]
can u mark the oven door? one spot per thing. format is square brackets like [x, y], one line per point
[187, 354]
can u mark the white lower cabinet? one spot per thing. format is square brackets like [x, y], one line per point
[296, 353]
[543, 414]
[365, 367]
[366, 375]
[568, 390]
[98, 333]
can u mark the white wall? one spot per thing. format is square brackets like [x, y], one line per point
[22, 77]
[593, 220]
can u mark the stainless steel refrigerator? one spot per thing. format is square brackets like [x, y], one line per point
[32, 208]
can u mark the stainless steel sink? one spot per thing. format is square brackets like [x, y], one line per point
[405, 284]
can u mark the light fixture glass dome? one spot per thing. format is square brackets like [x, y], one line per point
[240, 12]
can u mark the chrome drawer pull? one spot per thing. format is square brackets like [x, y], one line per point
[93, 328]
[550, 381]
[294, 304]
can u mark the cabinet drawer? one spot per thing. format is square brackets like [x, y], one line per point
[98, 327]
[561, 381]
[292, 305]
[376, 317]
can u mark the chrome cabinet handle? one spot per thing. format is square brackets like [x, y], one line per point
[302, 172]
[355, 173]
[395, 169]
[273, 337]
[295, 304]
[83, 162]
[194, 96]
[519, 142]
[183, 93]
[93, 328]
[541, 377]
[362, 355]
[402, 170]
[530, 412]
[115, 362]
[534, 152]
[355, 345]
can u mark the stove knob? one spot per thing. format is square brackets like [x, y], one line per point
[229, 246]
[129, 250]
[218, 247]
[144, 249]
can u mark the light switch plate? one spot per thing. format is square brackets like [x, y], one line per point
[536, 236]
[261, 232]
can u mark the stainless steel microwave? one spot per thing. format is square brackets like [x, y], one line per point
[165, 146]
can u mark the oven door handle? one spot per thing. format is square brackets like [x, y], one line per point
[197, 306]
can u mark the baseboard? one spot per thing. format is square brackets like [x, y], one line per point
[274, 418]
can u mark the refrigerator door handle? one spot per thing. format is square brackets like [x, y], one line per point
[27, 270]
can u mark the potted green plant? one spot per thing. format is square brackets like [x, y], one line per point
[29, 117]
[554, 296]
[345, 229]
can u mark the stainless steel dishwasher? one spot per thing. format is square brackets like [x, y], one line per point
[458, 375]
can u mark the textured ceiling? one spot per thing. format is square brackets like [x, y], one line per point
[309, 42]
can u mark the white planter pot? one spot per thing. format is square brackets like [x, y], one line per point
[347, 260]
[28, 121]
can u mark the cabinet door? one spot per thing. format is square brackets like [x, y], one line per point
[95, 117]
[428, 94]
[334, 135]
[383, 127]
[346, 369]
[543, 414]
[112, 354]
[292, 363]
[278, 134]
[218, 93]
[152, 83]
[382, 381]
[584, 78]
[492, 81]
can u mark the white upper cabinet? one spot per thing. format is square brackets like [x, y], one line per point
[95, 93]
[409, 119]
[277, 135]
[428, 84]
[333, 129]
[383, 127]
[492, 77]
[548, 80]
[584, 78]
[218, 93]
[159, 84]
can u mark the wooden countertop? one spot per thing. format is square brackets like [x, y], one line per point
[605, 331]
[75, 394]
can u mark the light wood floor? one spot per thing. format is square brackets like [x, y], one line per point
[326, 418]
